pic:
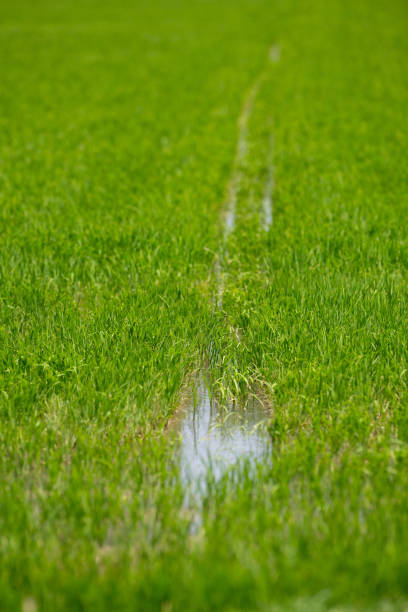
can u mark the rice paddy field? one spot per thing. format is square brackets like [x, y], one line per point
[203, 190]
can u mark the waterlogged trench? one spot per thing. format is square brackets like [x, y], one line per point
[214, 435]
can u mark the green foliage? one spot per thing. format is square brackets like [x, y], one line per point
[118, 126]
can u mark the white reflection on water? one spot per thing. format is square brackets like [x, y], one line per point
[217, 436]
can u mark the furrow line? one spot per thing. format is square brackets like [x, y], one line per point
[234, 183]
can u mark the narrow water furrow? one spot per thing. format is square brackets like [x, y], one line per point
[214, 434]
[267, 202]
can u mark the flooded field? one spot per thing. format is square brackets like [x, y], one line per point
[202, 201]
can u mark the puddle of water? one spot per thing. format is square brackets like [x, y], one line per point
[275, 53]
[218, 436]
[267, 204]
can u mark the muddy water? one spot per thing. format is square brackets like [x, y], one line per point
[215, 436]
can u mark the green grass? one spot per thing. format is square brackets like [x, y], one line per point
[118, 130]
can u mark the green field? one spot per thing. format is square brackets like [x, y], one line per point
[120, 130]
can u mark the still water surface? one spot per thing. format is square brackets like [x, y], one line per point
[219, 435]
